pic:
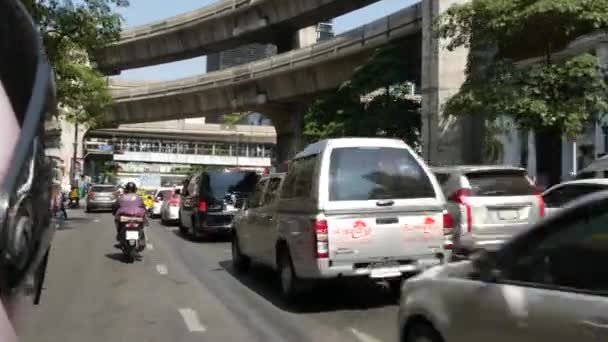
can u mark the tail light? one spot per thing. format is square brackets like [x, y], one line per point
[541, 204]
[448, 227]
[322, 238]
[202, 206]
[461, 197]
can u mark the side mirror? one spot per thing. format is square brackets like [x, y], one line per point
[484, 265]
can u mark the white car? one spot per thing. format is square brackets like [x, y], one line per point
[159, 197]
[169, 212]
[558, 195]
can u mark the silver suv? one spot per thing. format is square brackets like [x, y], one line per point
[352, 207]
[489, 204]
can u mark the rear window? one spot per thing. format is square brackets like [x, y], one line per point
[375, 173]
[98, 188]
[165, 194]
[500, 183]
[221, 183]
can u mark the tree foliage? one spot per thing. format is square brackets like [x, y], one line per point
[373, 102]
[560, 95]
[71, 32]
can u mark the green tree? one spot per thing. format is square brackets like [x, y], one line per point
[71, 32]
[555, 95]
[232, 118]
[375, 101]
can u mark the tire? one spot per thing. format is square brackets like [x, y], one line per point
[291, 285]
[422, 332]
[240, 262]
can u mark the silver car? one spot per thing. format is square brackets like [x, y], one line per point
[352, 207]
[489, 204]
[101, 197]
[547, 284]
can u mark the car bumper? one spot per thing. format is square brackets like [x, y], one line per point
[171, 214]
[100, 205]
[214, 230]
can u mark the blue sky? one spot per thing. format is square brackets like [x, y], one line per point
[144, 11]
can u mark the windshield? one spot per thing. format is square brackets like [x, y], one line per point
[219, 184]
[103, 188]
[361, 174]
[500, 183]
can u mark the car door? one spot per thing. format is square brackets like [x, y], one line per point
[546, 287]
[267, 228]
[249, 222]
[563, 277]
[188, 203]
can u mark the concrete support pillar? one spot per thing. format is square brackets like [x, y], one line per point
[296, 40]
[443, 72]
[290, 128]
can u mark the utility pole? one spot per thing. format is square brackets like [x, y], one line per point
[74, 156]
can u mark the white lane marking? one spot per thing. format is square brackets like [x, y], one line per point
[96, 220]
[162, 269]
[150, 246]
[363, 337]
[191, 319]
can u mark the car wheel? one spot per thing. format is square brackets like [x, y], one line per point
[423, 332]
[240, 262]
[291, 285]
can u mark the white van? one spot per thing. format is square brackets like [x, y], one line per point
[355, 207]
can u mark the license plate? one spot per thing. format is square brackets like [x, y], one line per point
[132, 235]
[385, 270]
[507, 214]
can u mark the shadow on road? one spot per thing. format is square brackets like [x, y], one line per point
[198, 240]
[120, 257]
[344, 294]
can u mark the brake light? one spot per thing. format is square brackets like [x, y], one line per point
[541, 205]
[322, 238]
[448, 227]
[461, 197]
[202, 206]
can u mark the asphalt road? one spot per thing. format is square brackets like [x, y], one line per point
[184, 290]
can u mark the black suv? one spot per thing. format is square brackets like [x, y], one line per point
[211, 199]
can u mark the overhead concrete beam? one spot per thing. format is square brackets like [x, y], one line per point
[280, 79]
[221, 26]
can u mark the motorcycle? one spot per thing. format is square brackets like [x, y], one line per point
[132, 238]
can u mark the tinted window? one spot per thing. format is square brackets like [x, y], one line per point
[254, 200]
[359, 174]
[442, 178]
[165, 194]
[99, 188]
[569, 257]
[500, 183]
[567, 193]
[299, 179]
[218, 184]
[272, 190]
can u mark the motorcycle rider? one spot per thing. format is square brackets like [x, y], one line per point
[128, 202]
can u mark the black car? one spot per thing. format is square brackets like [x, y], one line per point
[211, 199]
